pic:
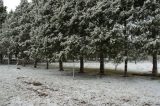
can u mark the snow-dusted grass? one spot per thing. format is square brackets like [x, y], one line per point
[59, 89]
[142, 66]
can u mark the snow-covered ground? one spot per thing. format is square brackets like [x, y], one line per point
[41, 87]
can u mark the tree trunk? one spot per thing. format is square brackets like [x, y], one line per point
[18, 62]
[1, 58]
[126, 67]
[126, 47]
[60, 65]
[81, 64]
[9, 58]
[35, 63]
[101, 63]
[47, 64]
[24, 62]
[154, 69]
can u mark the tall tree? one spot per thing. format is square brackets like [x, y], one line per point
[3, 15]
[62, 28]
[125, 11]
[101, 23]
[78, 32]
[149, 22]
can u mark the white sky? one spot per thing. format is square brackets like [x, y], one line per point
[11, 4]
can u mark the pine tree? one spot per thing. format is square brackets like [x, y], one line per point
[44, 13]
[7, 41]
[3, 15]
[37, 47]
[149, 21]
[76, 41]
[24, 26]
[125, 10]
[102, 21]
[64, 14]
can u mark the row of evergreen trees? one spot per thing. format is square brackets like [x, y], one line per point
[118, 30]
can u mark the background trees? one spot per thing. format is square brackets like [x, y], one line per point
[115, 30]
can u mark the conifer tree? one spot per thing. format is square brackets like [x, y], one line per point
[125, 11]
[76, 43]
[3, 15]
[148, 23]
[102, 22]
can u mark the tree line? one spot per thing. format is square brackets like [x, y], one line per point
[116, 30]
